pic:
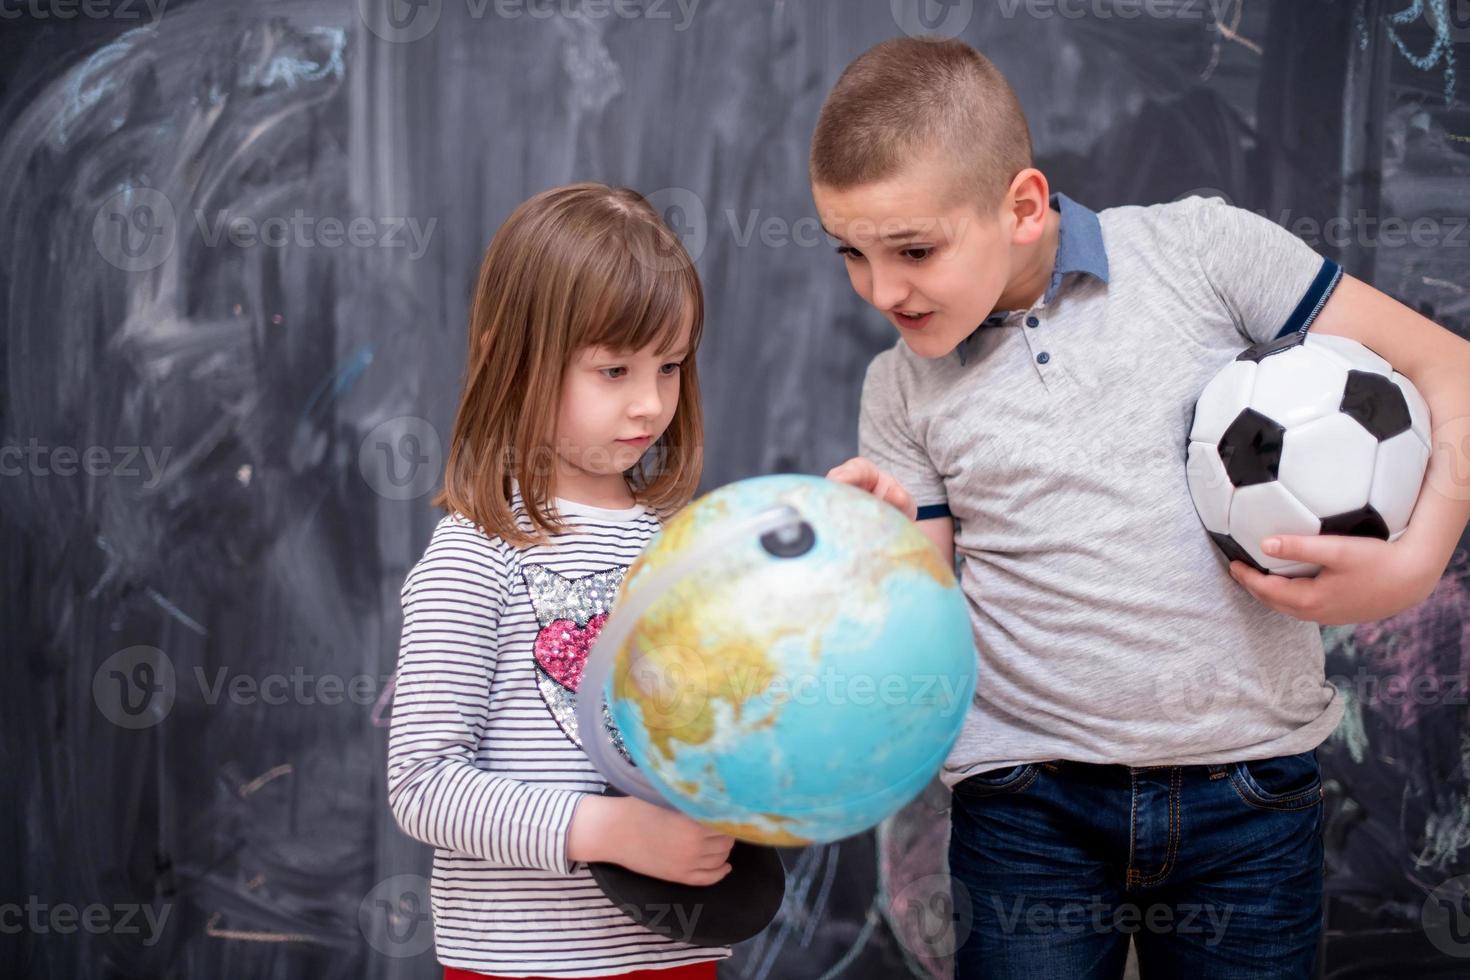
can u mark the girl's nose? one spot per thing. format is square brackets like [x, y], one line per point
[647, 404]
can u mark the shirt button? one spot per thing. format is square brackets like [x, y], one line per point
[1031, 321]
[1043, 357]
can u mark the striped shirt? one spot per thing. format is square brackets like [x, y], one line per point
[484, 761]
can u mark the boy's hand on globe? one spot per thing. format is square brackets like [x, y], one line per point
[865, 475]
[655, 841]
[1362, 579]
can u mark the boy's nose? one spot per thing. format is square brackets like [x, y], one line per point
[889, 291]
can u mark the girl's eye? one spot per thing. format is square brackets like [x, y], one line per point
[848, 252]
[606, 372]
[676, 365]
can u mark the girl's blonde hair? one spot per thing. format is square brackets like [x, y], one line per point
[574, 266]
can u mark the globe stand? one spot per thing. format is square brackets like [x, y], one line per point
[733, 909]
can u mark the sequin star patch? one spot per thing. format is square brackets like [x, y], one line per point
[571, 612]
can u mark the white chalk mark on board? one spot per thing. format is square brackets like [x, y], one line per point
[159, 599]
[94, 80]
[595, 77]
[292, 70]
[174, 611]
[212, 928]
[265, 777]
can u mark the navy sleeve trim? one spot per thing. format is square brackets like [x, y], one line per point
[1306, 311]
[932, 511]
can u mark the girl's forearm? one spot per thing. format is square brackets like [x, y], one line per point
[593, 831]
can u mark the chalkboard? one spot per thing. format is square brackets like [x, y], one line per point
[240, 239]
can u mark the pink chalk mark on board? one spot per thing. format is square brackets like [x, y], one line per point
[1420, 659]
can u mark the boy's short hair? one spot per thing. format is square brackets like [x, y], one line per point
[912, 92]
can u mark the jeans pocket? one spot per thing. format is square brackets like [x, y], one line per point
[1283, 782]
[996, 782]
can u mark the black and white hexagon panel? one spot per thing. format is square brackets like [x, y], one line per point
[1308, 434]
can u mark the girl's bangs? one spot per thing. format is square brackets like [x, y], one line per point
[644, 295]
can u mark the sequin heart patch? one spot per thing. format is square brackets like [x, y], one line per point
[561, 648]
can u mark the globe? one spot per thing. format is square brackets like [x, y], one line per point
[789, 661]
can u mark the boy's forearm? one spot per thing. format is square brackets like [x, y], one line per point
[1438, 362]
[1444, 504]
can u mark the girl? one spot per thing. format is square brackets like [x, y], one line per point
[577, 432]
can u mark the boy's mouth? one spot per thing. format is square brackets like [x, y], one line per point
[913, 321]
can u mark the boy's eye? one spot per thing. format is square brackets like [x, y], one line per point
[913, 254]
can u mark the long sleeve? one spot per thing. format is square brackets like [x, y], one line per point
[452, 602]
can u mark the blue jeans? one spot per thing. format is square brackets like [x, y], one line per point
[1215, 871]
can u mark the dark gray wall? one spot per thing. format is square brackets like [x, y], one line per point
[254, 427]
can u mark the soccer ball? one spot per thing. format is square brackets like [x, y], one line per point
[1306, 434]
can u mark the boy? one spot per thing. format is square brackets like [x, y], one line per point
[1044, 447]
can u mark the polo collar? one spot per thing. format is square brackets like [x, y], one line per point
[1079, 249]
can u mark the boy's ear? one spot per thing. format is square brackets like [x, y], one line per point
[1030, 194]
[1026, 204]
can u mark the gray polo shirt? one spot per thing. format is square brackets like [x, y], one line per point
[1106, 623]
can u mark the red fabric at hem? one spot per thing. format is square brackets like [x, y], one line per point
[691, 971]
